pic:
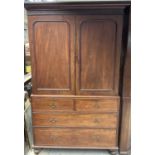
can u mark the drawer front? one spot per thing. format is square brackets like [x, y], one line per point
[50, 104]
[75, 120]
[75, 137]
[105, 105]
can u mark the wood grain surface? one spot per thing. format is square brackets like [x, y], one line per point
[80, 73]
[75, 120]
[98, 44]
[75, 137]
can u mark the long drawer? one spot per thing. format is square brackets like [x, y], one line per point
[74, 137]
[75, 120]
[51, 104]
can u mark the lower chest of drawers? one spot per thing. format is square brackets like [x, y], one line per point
[87, 123]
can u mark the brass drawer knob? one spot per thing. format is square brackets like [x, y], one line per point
[53, 138]
[96, 120]
[52, 120]
[52, 105]
[96, 138]
[97, 106]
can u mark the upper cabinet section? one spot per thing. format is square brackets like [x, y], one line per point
[52, 39]
[76, 47]
[99, 48]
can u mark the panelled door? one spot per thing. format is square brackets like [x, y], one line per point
[98, 49]
[53, 53]
[63, 44]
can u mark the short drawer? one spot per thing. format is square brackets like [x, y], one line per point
[75, 120]
[102, 105]
[74, 137]
[51, 104]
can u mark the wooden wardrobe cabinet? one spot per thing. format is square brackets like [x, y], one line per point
[78, 53]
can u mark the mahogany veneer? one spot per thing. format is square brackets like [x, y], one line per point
[80, 74]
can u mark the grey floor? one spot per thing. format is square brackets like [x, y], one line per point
[69, 152]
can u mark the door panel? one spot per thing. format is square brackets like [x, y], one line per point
[53, 40]
[98, 48]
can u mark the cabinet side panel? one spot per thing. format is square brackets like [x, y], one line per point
[125, 134]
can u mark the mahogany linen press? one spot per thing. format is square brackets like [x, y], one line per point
[80, 54]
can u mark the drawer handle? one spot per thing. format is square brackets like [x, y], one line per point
[53, 138]
[96, 121]
[52, 120]
[96, 138]
[52, 105]
[97, 105]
